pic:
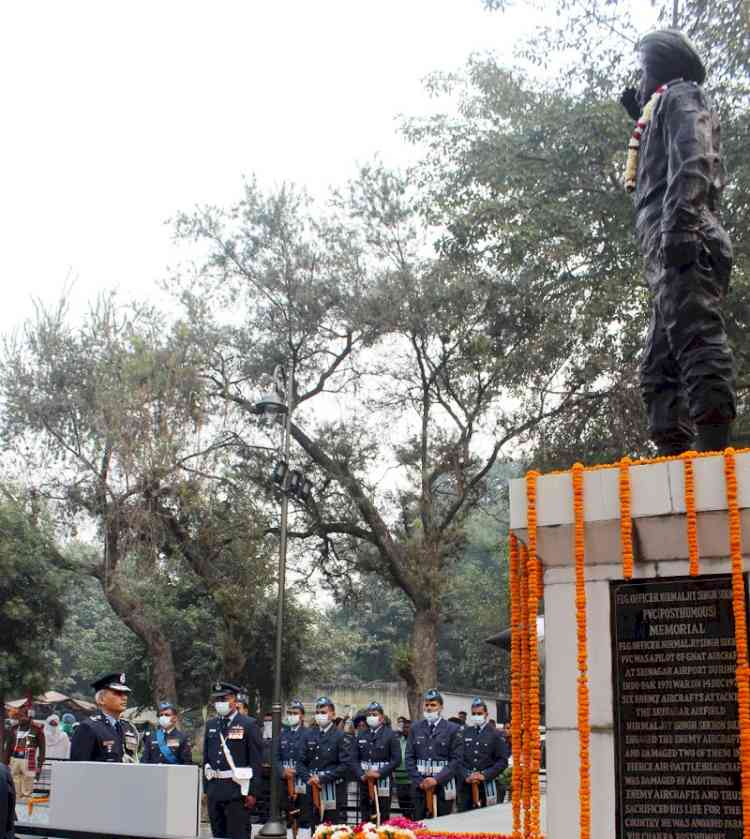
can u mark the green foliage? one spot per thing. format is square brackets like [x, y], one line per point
[31, 609]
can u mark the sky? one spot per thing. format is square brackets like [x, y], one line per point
[118, 115]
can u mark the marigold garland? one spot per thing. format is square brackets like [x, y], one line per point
[533, 719]
[631, 164]
[515, 677]
[626, 520]
[692, 521]
[584, 792]
[525, 693]
[740, 632]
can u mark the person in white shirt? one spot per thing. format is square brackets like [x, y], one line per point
[58, 742]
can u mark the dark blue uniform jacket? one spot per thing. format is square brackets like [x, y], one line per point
[485, 751]
[176, 741]
[97, 739]
[379, 746]
[443, 743]
[7, 804]
[289, 746]
[244, 742]
[323, 754]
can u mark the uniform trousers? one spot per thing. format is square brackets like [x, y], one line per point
[465, 801]
[301, 803]
[229, 819]
[419, 800]
[367, 806]
[23, 777]
[404, 794]
[336, 816]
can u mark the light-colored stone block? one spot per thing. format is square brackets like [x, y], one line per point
[561, 655]
[650, 493]
[710, 483]
[563, 811]
[517, 504]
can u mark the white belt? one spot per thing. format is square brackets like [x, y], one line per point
[213, 774]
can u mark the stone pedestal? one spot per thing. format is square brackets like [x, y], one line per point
[660, 550]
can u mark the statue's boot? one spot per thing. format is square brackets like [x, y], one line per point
[713, 437]
[673, 442]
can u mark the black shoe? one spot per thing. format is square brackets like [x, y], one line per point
[713, 437]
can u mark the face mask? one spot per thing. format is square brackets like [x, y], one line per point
[165, 721]
[292, 720]
[267, 729]
[477, 719]
[373, 721]
[432, 716]
[222, 708]
[321, 720]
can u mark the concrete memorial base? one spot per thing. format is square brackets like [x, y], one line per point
[663, 715]
[127, 800]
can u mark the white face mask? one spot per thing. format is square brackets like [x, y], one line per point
[373, 721]
[321, 720]
[478, 719]
[222, 708]
[432, 716]
[165, 721]
[292, 720]
[267, 729]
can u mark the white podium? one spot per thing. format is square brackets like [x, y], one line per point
[128, 800]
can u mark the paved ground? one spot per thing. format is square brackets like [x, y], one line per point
[497, 819]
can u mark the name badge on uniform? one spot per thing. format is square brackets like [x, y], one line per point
[173, 744]
[107, 744]
[236, 733]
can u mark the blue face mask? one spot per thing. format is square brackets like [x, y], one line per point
[432, 716]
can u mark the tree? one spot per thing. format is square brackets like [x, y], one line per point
[353, 306]
[31, 611]
[108, 418]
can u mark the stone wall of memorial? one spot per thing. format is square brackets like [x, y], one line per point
[662, 698]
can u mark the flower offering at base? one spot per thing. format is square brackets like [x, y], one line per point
[367, 830]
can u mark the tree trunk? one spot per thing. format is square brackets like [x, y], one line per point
[159, 646]
[423, 664]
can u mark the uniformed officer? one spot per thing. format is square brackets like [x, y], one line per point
[7, 804]
[375, 754]
[167, 744]
[485, 756]
[24, 745]
[292, 735]
[232, 754]
[322, 762]
[105, 737]
[434, 750]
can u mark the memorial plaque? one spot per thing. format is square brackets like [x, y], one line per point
[675, 709]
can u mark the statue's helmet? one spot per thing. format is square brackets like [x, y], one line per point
[669, 54]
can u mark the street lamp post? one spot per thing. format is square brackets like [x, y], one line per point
[271, 405]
